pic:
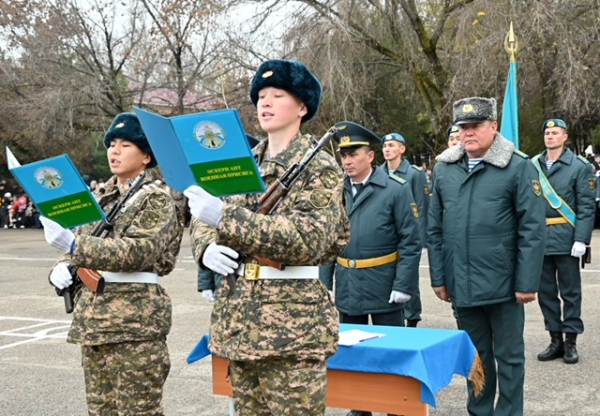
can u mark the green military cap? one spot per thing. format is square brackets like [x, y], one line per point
[554, 122]
[451, 130]
[394, 137]
[353, 135]
[474, 110]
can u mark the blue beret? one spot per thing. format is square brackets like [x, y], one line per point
[394, 136]
[291, 76]
[452, 129]
[126, 126]
[353, 135]
[554, 122]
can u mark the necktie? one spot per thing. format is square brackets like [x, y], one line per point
[358, 187]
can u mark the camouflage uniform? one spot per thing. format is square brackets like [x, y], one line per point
[123, 330]
[287, 328]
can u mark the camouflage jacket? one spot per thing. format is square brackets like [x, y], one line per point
[309, 227]
[146, 238]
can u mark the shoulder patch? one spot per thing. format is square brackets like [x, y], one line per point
[329, 179]
[523, 155]
[420, 169]
[320, 198]
[583, 159]
[397, 179]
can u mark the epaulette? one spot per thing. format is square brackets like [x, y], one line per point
[523, 155]
[420, 169]
[397, 179]
[583, 159]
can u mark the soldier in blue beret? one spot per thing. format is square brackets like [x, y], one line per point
[569, 186]
[486, 244]
[278, 327]
[394, 147]
[453, 136]
[379, 269]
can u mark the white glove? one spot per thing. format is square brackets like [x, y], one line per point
[424, 250]
[219, 259]
[209, 295]
[398, 297]
[57, 236]
[60, 276]
[204, 206]
[578, 249]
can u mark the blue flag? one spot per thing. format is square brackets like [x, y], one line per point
[510, 108]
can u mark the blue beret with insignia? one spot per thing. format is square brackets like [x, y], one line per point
[291, 76]
[395, 137]
[554, 122]
[353, 135]
[474, 110]
[451, 130]
[126, 126]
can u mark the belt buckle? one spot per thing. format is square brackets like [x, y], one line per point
[252, 272]
[352, 264]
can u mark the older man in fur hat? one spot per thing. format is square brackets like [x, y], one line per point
[486, 234]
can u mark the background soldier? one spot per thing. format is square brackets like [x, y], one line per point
[394, 146]
[486, 245]
[568, 179]
[278, 332]
[453, 136]
[378, 270]
[123, 331]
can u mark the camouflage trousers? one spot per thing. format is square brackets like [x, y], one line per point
[279, 386]
[125, 379]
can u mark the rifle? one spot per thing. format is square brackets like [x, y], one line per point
[88, 277]
[277, 191]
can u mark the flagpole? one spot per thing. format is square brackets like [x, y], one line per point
[510, 108]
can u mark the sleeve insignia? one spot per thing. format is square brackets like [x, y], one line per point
[320, 198]
[426, 189]
[537, 188]
[592, 183]
[148, 219]
[329, 179]
[159, 202]
[415, 209]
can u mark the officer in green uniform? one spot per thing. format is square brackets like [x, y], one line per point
[486, 235]
[394, 147]
[569, 186]
[378, 271]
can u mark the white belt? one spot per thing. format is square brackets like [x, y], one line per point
[138, 277]
[256, 272]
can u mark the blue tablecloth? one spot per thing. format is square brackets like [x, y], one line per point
[431, 356]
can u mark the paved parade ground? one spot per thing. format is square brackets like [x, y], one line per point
[40, 374]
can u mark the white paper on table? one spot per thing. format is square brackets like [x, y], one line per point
[354, 336]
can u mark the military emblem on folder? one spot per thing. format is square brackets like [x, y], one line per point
[537, 188]
[49, 177]
[210, 135]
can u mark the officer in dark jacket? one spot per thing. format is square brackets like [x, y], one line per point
[569, 186]
[378, 271]
[486, 245]
[394, 147]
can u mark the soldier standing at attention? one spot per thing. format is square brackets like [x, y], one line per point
[486, 234]
[123, 331]
[394, 147]
[569, 188]
[378, 271]
[277, 328]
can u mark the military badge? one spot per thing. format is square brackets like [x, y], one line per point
[320, 199]
[329, 179]
[148, 219]
[267, 74]
[550, 124]
[537, 188]
[592, 183]
[120, 125]
[415, 209]
[388, 137]
[468, 108]
[426, 189]
[345, 139]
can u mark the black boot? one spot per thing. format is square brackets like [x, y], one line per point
[555, 349]
[571, 356]
[411, 323]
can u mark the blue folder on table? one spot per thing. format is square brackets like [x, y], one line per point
[429, 355]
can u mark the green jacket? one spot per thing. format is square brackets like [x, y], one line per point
[486, 228]
[573, 180]
[382, 220]
[417, 180]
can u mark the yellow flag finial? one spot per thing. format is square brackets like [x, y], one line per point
[511, 44]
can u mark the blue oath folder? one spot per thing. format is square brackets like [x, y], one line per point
[431, 356]
[207, 149]
[57, 190]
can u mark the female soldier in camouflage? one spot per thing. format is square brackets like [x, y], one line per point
[276, 331]
[122, 331]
